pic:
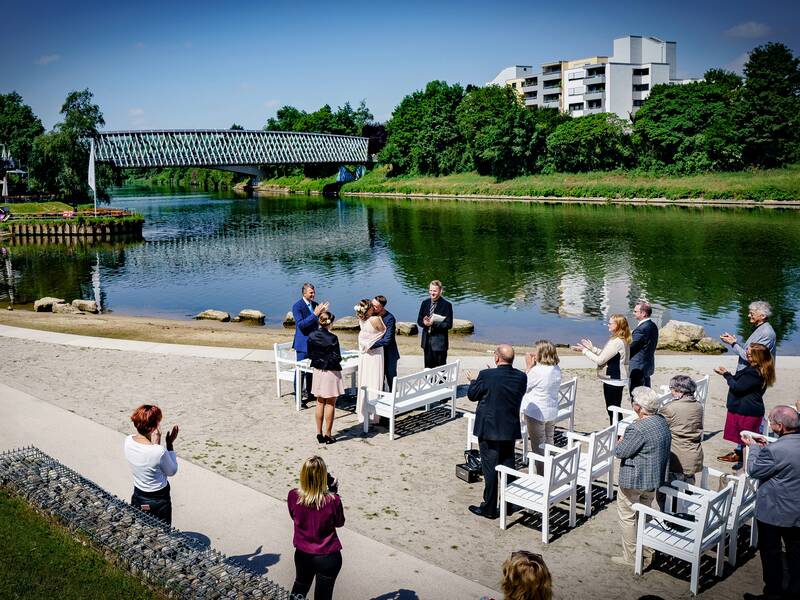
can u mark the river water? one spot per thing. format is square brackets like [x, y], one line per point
[519, 271]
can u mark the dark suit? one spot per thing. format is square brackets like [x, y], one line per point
[434, 338]
[305, 322]
[642, 362]
[390, 352]
[499, 395]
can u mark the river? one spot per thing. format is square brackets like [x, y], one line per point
[519, 271]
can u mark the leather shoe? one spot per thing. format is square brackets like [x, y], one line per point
[731, 457]
[321, 438]
[330, 440]
[481, 512]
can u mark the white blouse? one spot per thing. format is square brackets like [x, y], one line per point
[600, 357]
[150, 464]
[540, 401]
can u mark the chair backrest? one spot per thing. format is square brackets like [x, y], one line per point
[713, 515]
[665, 398]
[701, 393]
[567, 393]
[745, 495]
[429, 380]
[602, 445]
[285, 356]
[561, 469]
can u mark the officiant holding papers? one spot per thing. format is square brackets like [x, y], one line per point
[435, 319]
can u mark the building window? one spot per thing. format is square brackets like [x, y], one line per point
[595, 104]
[638, 103]
[576, 106]
[576, 91]
[641, 87]
[641, 72]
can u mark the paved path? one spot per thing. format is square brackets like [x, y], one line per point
[238, 520]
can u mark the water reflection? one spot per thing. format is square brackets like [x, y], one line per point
[520, 271]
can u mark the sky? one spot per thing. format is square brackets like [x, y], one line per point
[203, 65]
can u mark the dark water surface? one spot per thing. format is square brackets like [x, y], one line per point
[519, 271]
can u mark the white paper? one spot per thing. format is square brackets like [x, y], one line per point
[436, 318]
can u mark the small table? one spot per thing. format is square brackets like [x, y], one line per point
[349, 367]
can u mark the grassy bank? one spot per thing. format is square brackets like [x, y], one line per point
[773, 184]
[32, 208]
[40, 559]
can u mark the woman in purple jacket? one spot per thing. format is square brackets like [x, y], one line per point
[317, 512]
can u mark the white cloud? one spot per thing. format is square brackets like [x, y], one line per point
[271, 103]
[749, 30]
[737, 64]
[47, 59]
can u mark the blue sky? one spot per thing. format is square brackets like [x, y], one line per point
[210, 64]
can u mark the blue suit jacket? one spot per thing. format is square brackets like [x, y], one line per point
[388, 341]
[305, 321]
[643, 348]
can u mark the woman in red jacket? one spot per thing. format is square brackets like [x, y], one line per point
[317, 512]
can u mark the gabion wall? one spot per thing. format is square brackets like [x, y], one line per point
[164, 557]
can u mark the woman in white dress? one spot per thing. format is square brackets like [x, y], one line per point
[370, 360]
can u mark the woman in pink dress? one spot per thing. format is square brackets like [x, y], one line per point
[370, 360]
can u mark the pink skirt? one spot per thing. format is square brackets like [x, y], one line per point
[736, 424]
[327, 384]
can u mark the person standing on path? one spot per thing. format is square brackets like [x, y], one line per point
[388, 342]
[326, 362]
[643, 346]
[777, 468]
[758, 313]
[435, 319]
[498, 393]
[316, 512]
[306, 319]
[150, 463]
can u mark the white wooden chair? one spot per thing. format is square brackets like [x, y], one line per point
[596, 462]
[743, 503]
[567, 394]
[541, 492]
[699, 536]
[285, 363]
[411, 392]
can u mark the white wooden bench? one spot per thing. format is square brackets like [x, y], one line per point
[411, 392]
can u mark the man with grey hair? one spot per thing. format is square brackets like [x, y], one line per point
[644, 452]
[642, 362]
[306, 313]
[777, 468]
[758, 313]
[684, 417]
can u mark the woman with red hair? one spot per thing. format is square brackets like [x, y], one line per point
[151, 463]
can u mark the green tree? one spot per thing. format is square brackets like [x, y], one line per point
[770, 106]
[499, 132]
[236, 127]
[18, 127]
[598, 142]
[423, 137]
[690, 128]
[60, 158]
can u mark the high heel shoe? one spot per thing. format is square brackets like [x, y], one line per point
[330, 440]
[321, 439]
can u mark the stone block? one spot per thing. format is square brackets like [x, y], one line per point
[214, 315]
[66, 309]
[463, 326]
[346, 324]
[46, 304]
[253, 315]
[406, 328]
[89, 306]
[288, 320]
[708, 345]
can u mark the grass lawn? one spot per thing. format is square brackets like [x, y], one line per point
[770, 184]
[40, 559]
[29, 208]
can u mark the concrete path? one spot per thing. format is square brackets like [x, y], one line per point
[239, 521]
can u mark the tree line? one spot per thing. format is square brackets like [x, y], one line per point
[724, 123]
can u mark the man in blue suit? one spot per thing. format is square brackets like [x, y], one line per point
[642, 362]
[388, 342]
[306, 320]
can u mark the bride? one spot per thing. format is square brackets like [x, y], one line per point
[370, 360]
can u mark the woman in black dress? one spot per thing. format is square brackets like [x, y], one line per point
[327, 386]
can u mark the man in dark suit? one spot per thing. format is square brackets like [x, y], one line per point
[388, 342]
[499, 394]
[642, 360]
[306, 319]
[434, 329]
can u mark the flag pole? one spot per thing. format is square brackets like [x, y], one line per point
[91, 175]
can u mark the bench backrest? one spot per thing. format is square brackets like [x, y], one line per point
[429, 380]
[285, 357]
[561, 469]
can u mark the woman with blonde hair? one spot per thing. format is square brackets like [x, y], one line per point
[526, 577]
[370, 360]
[316, 512]
[326, 386]
[611, 361]
[745, 401]
[540, 403]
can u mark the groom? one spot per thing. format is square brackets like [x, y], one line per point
[388, 342]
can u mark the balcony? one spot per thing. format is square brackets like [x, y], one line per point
[551, 76]
[526, 89]
[593, 111]
[594, 80]
[552, 86]
[532, 101]
[594, 95]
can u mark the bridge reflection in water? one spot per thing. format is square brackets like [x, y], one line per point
[519, 271]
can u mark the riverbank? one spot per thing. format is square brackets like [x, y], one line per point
[778, 187]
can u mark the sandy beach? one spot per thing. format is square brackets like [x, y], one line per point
[403, 493]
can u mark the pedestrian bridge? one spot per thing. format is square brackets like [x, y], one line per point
[227, 149]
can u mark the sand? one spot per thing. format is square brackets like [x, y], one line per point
[403, 493]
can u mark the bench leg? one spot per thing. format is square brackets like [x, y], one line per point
[391, 427]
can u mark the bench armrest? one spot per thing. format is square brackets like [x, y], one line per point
[576, 437]
[657, 514]
[689, 488]
[510, 471]
[533, 457]
[675, 493]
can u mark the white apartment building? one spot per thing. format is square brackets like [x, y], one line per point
[618, 84]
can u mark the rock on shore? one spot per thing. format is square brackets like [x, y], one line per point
[46, 304]
[463, 326]
[687, 337]
[89, 306]
[346, 324]
[406, 328]
[214, 315]
[252, 315]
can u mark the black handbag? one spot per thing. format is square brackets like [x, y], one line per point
[472, 458]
